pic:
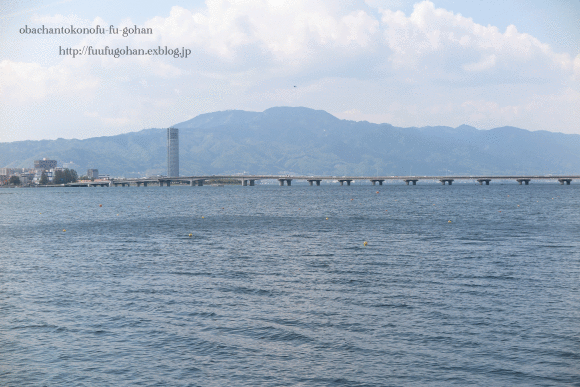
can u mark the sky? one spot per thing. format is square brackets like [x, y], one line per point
[407, 63]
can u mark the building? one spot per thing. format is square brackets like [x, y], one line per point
[172, 152]
[93, 173]
[44, 164]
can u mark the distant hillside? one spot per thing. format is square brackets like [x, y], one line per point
[306, 141]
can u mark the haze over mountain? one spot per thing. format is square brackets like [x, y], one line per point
[286, 140]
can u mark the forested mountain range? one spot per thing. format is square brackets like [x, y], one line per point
[286, 140]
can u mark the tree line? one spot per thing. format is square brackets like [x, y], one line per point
[63, 176]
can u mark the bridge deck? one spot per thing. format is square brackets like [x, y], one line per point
[380, 179]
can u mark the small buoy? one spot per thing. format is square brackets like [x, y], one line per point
[222, 208]
[63, 230]
[377, 191]
[190, 235]
[40, 213]
[202, 217]
[448, 221]
[326, 218]
[518, 205]
[365, 243]
[499, 211]
[386, 210]
[100, 205]
[351, 199]
[117, 214]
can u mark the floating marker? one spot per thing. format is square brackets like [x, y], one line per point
[100, 205]
[365, 243]
[63, 230]
[448, 221]
[202, 217]
[326, 218]
[190, 235]
[377, 191]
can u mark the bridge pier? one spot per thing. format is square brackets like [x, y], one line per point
[449, 181]
[377, 181]
[252, 183]
[312, 181]
[481, 181]
[526, 181]
[565, 181]
[288, 182]
[244, 182]
[414, 181]
[144, 184]
[347, 181]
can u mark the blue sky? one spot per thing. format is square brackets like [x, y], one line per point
[481, 63]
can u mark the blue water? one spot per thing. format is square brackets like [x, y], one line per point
[268, 291]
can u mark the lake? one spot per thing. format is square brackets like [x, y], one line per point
[456, 285]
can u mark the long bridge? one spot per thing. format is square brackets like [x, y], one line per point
[315, 180]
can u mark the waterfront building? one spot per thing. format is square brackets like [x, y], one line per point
[93, 173]
[44, 164]
[172, 152]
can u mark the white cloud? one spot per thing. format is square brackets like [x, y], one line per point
[27, 82]
[484, 64]
[283, 29]
[59, 20]
[432, 31]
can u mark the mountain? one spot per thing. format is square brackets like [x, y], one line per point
[285, 140]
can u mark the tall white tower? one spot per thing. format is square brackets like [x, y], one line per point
[172, 152]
